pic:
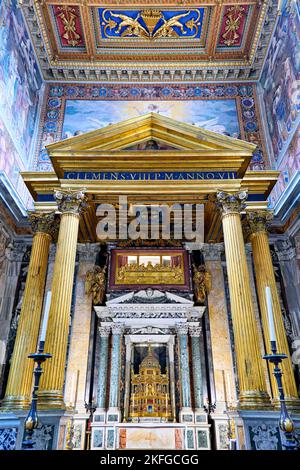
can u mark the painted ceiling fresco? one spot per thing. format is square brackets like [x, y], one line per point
[81, 36]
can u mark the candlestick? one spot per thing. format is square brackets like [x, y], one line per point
[270, 315]
[45, 317]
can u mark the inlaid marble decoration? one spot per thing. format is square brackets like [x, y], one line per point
[71, 110]
[98, 435]
[202, 439]
[264, 437]
[190, 444]
[150, 438]
[43, 437]
[8, 438]
[110, 438]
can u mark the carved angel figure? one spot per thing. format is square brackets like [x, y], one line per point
[95, 284]
[202, 282]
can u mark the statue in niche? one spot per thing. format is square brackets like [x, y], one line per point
[202, 282]
[95, 284]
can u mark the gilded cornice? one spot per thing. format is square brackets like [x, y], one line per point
[179, 63]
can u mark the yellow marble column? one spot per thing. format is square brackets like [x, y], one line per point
[70, 204]
[264, 273]
[252, 384]
[19, 386]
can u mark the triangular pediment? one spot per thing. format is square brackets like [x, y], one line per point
[139, 131]
[150, 296]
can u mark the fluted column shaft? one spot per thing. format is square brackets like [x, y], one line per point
[19, 386]
[252, 385]
[182, 332]
[70, 204]
[115, 367]
[264, 274]
[102, 379]
[196, 364]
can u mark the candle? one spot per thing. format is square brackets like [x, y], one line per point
[166, 405]
[45, 317]
[270, 314]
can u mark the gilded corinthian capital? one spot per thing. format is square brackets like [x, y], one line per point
[45, 223]
[231, 202]
[72, 201]
[259, 220]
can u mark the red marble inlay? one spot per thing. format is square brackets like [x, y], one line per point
[233, 25]
[69, 25]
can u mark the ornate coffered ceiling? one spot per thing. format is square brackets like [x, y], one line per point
[161, 40]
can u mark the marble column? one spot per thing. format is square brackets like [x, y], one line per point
[128, 365]
[70, 204]
[252, 383]
[19, 383]
[113, 413]
[172, 376]
[76, 374]
[195, 332]
[186, 404]
[102, 377]
[264, 274]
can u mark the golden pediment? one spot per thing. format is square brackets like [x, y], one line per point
[150, 127]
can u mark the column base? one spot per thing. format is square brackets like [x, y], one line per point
[254, 400]
[292, 403]
[51, 400]
[200, 416]
[113, 415]
[186, 415]
[12, 402]
[99, 415]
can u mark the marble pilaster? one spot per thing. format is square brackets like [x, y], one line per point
[186, 403]
[10, 268]
[102, 377]
[195, 332]
[113, 413]
[226, 394]
[290, 270]
[81, 323]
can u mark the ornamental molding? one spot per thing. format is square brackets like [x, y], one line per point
[149, 66]
[182, 329]
[258, 221]
[44, 223]
[149, 311]
[104, 331]
[230, 203]
[71, 201]
[195, 331]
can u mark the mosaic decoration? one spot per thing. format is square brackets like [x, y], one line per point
[8, 438]
[233, 26]
[280, 80]
[68, 25]
[236, 104]
[151, 24]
